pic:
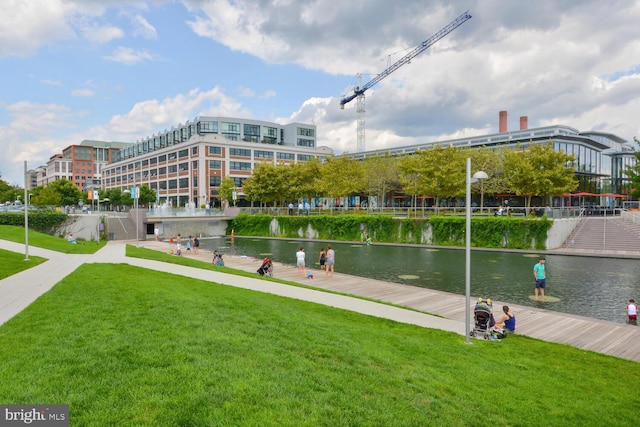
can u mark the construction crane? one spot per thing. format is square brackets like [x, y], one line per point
[359, 91]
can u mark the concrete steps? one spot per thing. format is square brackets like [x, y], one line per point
[616, 234]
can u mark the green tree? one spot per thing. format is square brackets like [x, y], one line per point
[438, 172]
[61, 193]
[266, 184]
[147, 195]
[490, 161]
[633, 172]
[380, 176]
[342, 177]
[227, 187]
[539, 171]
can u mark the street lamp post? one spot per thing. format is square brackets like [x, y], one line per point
[480, 175]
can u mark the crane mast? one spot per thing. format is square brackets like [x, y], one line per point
[359, 91]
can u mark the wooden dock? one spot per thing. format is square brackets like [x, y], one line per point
[596, 335]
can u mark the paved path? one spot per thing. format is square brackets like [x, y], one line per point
[18, 291]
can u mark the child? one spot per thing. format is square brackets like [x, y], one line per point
[309, 275]
[632, 312]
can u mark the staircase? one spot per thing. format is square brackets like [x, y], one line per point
[122, 226]
[605, 234]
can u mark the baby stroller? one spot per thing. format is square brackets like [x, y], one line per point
[266, 269]
[483, 319]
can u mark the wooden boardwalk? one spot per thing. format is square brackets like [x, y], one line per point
[596, 335]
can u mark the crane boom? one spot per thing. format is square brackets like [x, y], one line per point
[359, 91]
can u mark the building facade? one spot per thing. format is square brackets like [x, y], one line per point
[186, 165]
[600, 158]
[81, 164]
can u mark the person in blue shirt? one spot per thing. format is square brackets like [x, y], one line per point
[540, 276]
[507, 322]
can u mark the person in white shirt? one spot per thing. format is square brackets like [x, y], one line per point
[302, 271]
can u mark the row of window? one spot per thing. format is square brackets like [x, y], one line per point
[232, 131]
[182, 183]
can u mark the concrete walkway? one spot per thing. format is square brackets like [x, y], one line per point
[18, 291]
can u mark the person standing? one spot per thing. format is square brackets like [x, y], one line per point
[300, 262]
[632, 312]
[541, 278]
[196, 245]
[322, 259]
[156, 232]
[290, 209]
[331, 260]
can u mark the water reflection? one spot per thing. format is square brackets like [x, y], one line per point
[593, 287]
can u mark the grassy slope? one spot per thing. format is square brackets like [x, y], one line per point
[13, 263]
[42, 240]
[165, 350]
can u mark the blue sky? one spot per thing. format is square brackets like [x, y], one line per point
[122, 70]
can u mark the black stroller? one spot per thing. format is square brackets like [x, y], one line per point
[266, 269]
[483, 319]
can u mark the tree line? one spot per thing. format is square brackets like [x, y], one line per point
[438, 172]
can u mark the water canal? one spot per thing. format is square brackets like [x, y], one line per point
[586, 286]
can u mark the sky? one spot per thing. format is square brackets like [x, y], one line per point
[115, 70]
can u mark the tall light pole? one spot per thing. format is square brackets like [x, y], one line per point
[480, 175]
[26, 216]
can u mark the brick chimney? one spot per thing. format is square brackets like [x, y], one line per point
[503, 121]
[524, 123]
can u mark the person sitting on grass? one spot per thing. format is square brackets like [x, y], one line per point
[507, 322]
[71, 239]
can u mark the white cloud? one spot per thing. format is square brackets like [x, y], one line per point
[142, 28]
[129, 56]
[26, 25]
[51, 82]
[82, 92]
[153, 116]
[102, 34]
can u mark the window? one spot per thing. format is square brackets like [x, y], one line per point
[251, 133]
[306, 142]
[194, 151]
[207, 127]
[306, 132]
[215, 181]
[241, 152]
[194, 165]
[304, 157]
[183, 182]
[183, 153]
[162, 158]
[172, 168]
[162, 171]
[216, 151]
[259, 154]
[238, 181]
[285, 156]
[240, 166]
[173, 184]
[215, 164]
[183, 167]
[163, 185]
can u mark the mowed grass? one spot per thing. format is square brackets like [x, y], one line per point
[136, 347]
[41, 240]
[14, 262]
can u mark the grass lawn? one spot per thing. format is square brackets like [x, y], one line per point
[41, 240]
[136, 347]
[14, 262]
